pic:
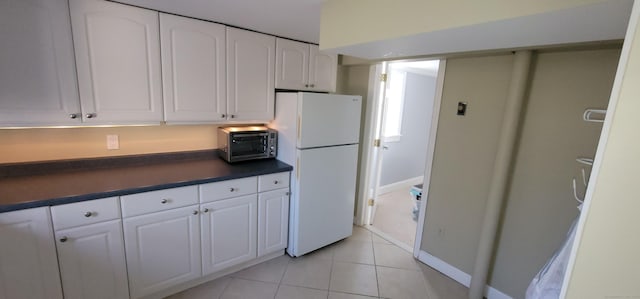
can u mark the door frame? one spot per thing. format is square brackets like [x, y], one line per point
[368, 149]
[431, 149]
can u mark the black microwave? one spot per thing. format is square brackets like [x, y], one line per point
[247, 143]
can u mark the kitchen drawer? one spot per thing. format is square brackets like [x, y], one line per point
[85, 212]
[153, 201]
[227, 189]
[273, 181]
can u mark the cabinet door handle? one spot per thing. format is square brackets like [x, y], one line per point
[224, 116]
[288, 193]
[88, 214]
[275, 182]
[232, 189]
[306, 85]
[64, 239]
[73, 115]
[91, 115]
[195, 212]
[233, 116]
[206, 210]
[312, 85]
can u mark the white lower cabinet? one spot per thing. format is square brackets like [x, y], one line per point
[92, 261]
[228, 232]
[273, 221]
[163, 249]
[28, 263]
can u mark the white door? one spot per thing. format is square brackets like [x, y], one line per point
[92, 261]
[117, 51]
[324, 195]
[28, 262]
[292, 65]
[228, 232]
[250, 69]
[378, 149]
[326, 120]
[323, 70]
[273, 221]
[163, 249]
[37, 69]
[193, 69]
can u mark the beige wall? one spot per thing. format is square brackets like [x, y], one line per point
[464, 155]
[355, 80]
[608, 252]
[410, 17]
[22, 145]
[540, 205]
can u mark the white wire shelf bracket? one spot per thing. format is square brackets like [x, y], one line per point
[594, 115]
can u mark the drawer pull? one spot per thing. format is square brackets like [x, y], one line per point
[275, 182]
[164, 201]
[88, 214]
[195, 212]
[206, 210]
[232, 189]
[64, 239]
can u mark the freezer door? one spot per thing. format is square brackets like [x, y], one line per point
[328, 119]
[324, 197]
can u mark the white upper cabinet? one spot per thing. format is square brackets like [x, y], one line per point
[301, 66]
[292, 65]
[37, 70]
[117, 51]
[323, 70]
[250, 72]
[28, 263]
[193, 69]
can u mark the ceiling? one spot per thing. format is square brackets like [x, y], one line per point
[300, 20]
[294, 19]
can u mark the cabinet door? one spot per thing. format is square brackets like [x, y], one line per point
[28, 262]
[322, 70]
[163, 249]
[273, 221]
[228, 233]
[292, 65]
[92, 262]
[250, 69]
[193, 69]
[37, 69]
[118, 59]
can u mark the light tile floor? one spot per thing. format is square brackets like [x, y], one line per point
[393, 216]
[359, 267]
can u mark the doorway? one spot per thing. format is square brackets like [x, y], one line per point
[404, 109]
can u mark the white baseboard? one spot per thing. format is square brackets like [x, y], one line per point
[458, 275]
[406, 184]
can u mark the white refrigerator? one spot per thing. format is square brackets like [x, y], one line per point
[319, 134]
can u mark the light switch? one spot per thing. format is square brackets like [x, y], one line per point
[462, 108]
[112, 142]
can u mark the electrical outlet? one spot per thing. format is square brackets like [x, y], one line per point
[113, 143]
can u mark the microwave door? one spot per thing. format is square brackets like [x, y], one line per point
[248, 146]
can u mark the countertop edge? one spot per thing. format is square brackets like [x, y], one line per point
[279, 167]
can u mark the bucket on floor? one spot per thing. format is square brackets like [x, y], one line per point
[416, 194]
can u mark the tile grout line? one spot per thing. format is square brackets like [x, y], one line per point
[375, 264]
[282, 276]
[225, 287]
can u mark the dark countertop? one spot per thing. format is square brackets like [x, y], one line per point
[30, 185]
